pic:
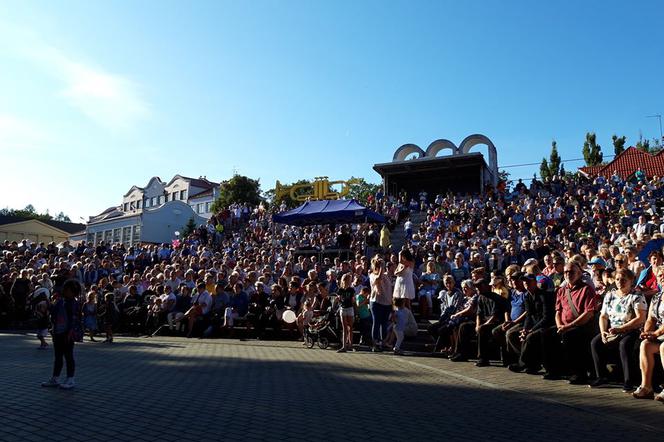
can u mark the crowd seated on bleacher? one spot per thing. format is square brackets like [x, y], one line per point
[561, 278]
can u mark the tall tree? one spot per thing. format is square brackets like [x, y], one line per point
[239, 189]
[544, 169]
[592, 152]
[618, 144]
[554, 160]
[361, 190]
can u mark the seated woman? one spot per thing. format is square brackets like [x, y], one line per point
[451, 301]
[622, 316]
[465, 316]
[653, 343]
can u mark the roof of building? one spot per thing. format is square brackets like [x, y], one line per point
[201, 182]
[627, 163]
[60, 225]
[204, 193]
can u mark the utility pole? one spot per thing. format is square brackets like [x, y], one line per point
[659, 117]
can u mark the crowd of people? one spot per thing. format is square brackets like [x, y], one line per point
[562, 276]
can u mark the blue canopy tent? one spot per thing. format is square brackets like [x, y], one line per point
[328, 212]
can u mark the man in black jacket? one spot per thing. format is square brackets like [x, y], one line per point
[540, 314]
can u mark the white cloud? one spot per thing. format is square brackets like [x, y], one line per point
[108, 99]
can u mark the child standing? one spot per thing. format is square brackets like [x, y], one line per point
[43, 318]
[304, 318]
[90, 315]
[111, 314]
[400, 318]
[362, 304]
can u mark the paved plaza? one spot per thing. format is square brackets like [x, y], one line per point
[173, 389]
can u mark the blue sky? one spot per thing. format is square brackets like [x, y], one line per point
[98, 96]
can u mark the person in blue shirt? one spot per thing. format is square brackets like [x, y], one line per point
[514, 317]
[238, 306]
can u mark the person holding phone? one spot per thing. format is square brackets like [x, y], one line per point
[653, 342]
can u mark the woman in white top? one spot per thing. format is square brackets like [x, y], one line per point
[404, 287]
[622, 316]
[380, 302]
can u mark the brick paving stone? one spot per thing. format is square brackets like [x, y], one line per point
[173, 389]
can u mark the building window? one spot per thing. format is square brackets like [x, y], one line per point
[199, 208]
[174, 196]
[126, 236]
[183, 195]
[90, 238]
[116, 236]
[99, 237]
[136, 238]
[125, 207]
[147, 202]
[108, 235]
[153, 201]
[207, 207]
[161, 199]
[139, 203]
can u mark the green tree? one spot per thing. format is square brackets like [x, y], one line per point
[618, 144]
[360, 189]
[544, 169]
[239, 189]
[554, 160]
[30, 212]
[504, 176]
[592, 152]
[189, 228]
[62, 217]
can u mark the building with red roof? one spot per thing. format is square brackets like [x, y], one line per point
[627, 163]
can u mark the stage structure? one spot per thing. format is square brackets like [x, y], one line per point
[461, 171]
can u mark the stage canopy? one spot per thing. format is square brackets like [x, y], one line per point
[328, 212]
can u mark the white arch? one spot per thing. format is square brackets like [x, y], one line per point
[407, 149]
[439, 145]
[473, 140]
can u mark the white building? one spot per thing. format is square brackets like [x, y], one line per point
[155, 212]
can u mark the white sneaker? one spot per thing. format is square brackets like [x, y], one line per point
[53, 382]
[68, 384]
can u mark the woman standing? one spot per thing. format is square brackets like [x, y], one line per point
[623, 313]
[346, 295]
[404, 287]
[380, 302]
[66, 318]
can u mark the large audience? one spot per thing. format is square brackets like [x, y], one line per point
[561, 278]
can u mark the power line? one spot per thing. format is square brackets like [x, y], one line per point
[537, 164]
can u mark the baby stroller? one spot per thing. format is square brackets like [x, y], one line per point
[323, 329]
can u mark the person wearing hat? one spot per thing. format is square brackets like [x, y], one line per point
[598, 266]
[495, 261]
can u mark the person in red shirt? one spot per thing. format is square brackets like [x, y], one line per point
[567, 344]
[647, 283]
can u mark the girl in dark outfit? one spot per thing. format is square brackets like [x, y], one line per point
[66, 319]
